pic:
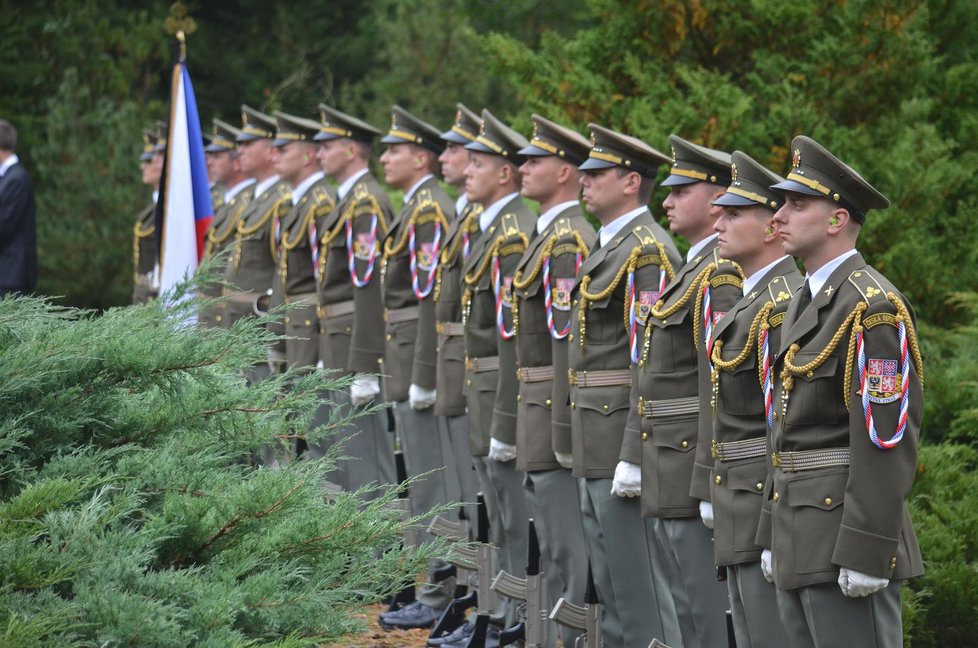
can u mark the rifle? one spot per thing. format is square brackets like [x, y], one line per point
[530, 590]
[585, 619]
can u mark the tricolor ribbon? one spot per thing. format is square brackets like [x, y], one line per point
[313, 244]
[707, 324]
[768, 385]
[419, 292]
[904, 390]
[549, 300]
[497, 283]
[351, 257]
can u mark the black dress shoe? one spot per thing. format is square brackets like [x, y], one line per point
[410, 617]
[492, 639]
[461, 633]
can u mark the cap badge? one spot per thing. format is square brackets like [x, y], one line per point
[593, 141]
[733, 172]
[244, 118]
[674, 161]
[796, 159]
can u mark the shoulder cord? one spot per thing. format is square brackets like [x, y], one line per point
[660, 312]
[584, 296]
[448, 255]
[241, 231]
[718, 364]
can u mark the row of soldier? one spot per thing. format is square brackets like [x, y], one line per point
[633, 402]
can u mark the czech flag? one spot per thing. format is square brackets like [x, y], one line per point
[185, 197]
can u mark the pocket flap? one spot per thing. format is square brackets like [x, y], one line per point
[820, 491]
[824, 370]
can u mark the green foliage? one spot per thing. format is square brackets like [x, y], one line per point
[128, 513]
[939, 608]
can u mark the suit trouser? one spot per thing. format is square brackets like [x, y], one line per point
[627, 569]
[367, 456]
[514, 513]
[552, 498]
[463, 481]
[505, 613]
[754, 606]
[688, 545]
[426, 450]
[821, 616]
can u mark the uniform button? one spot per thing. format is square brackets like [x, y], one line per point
[718, 480]
[810, 375]
[777, 496]
[389, 337]
[775, 416]
[828, 501]
[604, 407]
[685, 444]
[570, 337]
[218, 318]
[308, 322]
[759, 486]
[548, 402]
[519, 399]
[468, 383]
[645, 436]
[893, 562]
[573, 405]
[288, 319]
[349, 329]
[380, 361]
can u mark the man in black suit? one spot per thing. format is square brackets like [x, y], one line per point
[18, 238]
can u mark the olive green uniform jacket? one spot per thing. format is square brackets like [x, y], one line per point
[673, 373]
[144, 256]
[854, 515]
[545, 277]
[600, 340]
[219, 239]
[352, 315]
[415, 240]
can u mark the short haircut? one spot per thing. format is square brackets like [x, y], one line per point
[363, 149]
[8, 136]
[645, 189]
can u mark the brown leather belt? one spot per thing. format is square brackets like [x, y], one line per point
[335, 310]
[478, 365]
[535, 374]
[305, 299]
[600, 378]
[734, 450]
[406, 314]
[450, 328]
[810, 459]
[669, 407]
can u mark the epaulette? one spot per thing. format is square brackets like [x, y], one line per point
[510, 225]
[423, 197]
[320, 195]
[284, 190]
[562, 227]
[727, 272]
[779, 290]
[874, 295]
[360, 192]
[644, 235]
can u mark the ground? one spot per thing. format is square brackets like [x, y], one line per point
[376, 637]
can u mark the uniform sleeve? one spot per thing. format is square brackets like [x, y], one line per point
[507, 388]
[879, 478]
[725, 292]
[425, 347]
[367, 339]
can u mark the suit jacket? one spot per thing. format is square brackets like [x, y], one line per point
[353, 340]
[409, 356]
[145, 256]
[540, 411]
[297, 274]
[851, 515]
[252, 267]
[463, 234]
[505, 240]
[673, 373]
[737, 404]
[601, 339]
[219, 240]
[18, 235]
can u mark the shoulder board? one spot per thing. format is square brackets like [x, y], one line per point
[423, 197]
[284, 191]
[562, 227]
[360, 192]
[644, 235]
[779, 290]
[320, 195]
[510, 225]
[873, 294]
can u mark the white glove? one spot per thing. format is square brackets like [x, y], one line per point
[706, 513]
[499, 451]
[767, 565]
[364, 389]
[628, 480]
[855, 584]
[565, 459]
[421, 398]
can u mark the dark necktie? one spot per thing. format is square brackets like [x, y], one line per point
[804, 296]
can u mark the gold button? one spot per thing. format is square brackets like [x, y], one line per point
[573, 405]
[718, 480]
[218, 318]
[828, 501]
[519, 399]
[645, 436]
[349, 329]
[604, 407]
[893, 562]
[775, 416]
[468, 383]
[809, 374]
[685, 444]
[308, 322]
[548, 402]
[777, 496]
[287, 319]
[389, 337]
[759, 486]
[570, 338]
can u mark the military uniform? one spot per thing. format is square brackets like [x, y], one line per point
[490, 354]
[145, 244]
[847, 404]
[225, 222]
[351, 239]
[744, 344]
[252, 267]
[463, 232]
[542, 289]
[667, 414]
[615, 287]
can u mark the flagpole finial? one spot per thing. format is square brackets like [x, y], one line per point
[180, 24]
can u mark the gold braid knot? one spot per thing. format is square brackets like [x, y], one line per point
[760, 320]
[584, 296]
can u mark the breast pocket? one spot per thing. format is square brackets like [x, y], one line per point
[740, 388]
[816, 398]
[605, 321]
[671, 348]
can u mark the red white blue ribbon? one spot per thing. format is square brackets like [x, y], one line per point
[313, 244]
[351, 257]
[419, 292]
[904, 390]
[466, 238]
[768, 386]
[549, 300]
[504, 333]
[707, 324]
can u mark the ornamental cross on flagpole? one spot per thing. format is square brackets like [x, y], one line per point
[180, 24]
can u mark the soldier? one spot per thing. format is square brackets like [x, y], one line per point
[224, 166]
[145, 249]
[217, 187]
[543, 281]
[624, 274]
[847, 406]
[672, 378]
[312, 198]
[348, 291]
[744, 345]
[411, 254]
[463, 232]
[492, 178]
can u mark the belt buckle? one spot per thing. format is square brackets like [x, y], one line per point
[715, 450]
[776, 459]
